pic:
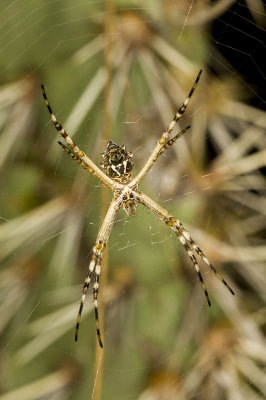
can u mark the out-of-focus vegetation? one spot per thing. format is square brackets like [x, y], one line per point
[161, 340]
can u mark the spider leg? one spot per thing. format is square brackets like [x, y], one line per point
[184, 238]
[76, 158]
[171, 141]
[95, 298]
[94, 267]
[192, 257]
[94, 169]
[95, 264]
[204, 258]
[84, 292]
[162, 142]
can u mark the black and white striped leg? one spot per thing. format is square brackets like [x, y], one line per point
[76, 158]
[204, 258]
[75, 151]
[177, 227]
[170, 142]
[184, 237]
[84, 292]
[164, 142]
[194, 261]
[59, 127]
[95, 299]
[180, 112]
[94, 267]
[182, 109]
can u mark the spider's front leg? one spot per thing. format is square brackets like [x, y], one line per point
[75, 152]
[163, 143]
[96, 262]
[184, 238]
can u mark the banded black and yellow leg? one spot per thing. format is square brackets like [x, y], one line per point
[177, 227]
[194, 261]
[84, 292]
[171, 141]
[94, 267]
[76, 158]
[182, 109]
[204, 258]
[183, 236]
[96, 261]
[163, 143]
[59, 127]
[95, 299]
[92, 168]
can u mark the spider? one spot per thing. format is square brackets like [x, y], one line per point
[117, 163]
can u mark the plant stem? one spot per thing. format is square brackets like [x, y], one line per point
[99, 360]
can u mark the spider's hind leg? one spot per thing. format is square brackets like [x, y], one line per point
[95, 299]
[83, 296]
[204, 258]
[94, 267]
[178, 229]
[184, 237]
[96, 263]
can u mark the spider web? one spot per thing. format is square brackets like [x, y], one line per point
[50, 209]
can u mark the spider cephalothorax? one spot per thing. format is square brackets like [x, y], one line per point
[130, 200]
[118, 166]
[117, 162]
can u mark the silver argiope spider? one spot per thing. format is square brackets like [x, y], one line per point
[118, 165]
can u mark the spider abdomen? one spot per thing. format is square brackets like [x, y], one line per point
[117, 162]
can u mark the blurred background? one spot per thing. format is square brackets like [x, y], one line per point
[119, 70]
